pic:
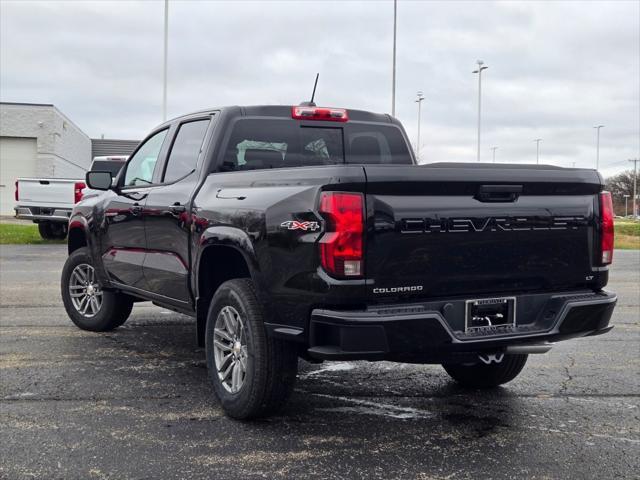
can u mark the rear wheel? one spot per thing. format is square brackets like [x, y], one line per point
[252, 374]
[87, 304]
[482, 375]
[52, 230]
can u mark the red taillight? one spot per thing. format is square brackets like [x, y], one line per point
[319, 113]
[341, 244]
[15, 195]
[77, 191]
[606, 228]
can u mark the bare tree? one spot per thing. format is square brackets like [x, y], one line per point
[620, 185]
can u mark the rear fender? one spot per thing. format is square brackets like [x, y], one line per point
[240, 241]
[226, 236]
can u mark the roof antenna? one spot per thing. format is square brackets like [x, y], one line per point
[313, 95]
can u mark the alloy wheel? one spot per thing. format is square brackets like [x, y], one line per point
[230, 349]
[85, 291]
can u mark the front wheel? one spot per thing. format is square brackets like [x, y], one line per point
[87, 304]
[482, 375]
[252, 374]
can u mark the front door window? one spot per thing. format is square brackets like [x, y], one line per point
[141, 166]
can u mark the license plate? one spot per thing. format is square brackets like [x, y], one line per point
[490, 314]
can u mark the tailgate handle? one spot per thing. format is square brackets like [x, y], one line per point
[499, 193]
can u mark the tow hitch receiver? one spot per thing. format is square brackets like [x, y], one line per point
[488, 359]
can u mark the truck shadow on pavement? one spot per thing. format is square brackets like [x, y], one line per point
[378, 394]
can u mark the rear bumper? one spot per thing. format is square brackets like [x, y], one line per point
[433, 332]
[38, 214]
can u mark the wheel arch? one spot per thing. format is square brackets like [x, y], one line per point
[77, 236]
[224, 253]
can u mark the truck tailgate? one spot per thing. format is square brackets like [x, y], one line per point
[464, 229]
[48, 192]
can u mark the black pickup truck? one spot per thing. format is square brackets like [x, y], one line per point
[311, 232]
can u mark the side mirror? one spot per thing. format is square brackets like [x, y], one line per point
[99, 180]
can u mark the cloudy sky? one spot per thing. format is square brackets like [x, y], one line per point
[556, 69]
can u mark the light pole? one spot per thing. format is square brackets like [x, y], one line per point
[419, 99]
[626, 209]
[481, 67]
[538, 140]
[393, 76]
[598, 127]
[164, 68]
[494, 153]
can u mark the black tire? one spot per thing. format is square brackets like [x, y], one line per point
[271, 364]
[45, 230]
[481, 375]
[59, 230]
[52, 230]
[114, 307]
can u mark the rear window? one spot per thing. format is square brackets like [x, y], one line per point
[272, 143]
[374, 143]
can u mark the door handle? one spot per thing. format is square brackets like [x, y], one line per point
[136, 209]
[177, 208]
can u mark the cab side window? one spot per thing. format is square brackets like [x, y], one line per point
[141, 166]
[185, 150]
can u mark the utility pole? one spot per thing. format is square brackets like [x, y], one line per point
[634, 200]
[626, 208]
[166, 45]
[393, 81]
[538, 140]
[598, 127]
[419, 99]
[494, 153]
[479, 72]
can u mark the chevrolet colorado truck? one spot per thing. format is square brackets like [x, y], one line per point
[311, 232]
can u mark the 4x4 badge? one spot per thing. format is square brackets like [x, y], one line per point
[295, 225]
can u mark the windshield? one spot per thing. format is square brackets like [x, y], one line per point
[274, 143]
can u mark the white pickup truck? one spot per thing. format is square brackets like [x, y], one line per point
[49, 201]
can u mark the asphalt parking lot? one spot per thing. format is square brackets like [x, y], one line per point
[136, 402]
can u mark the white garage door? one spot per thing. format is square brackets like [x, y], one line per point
[17, 159]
